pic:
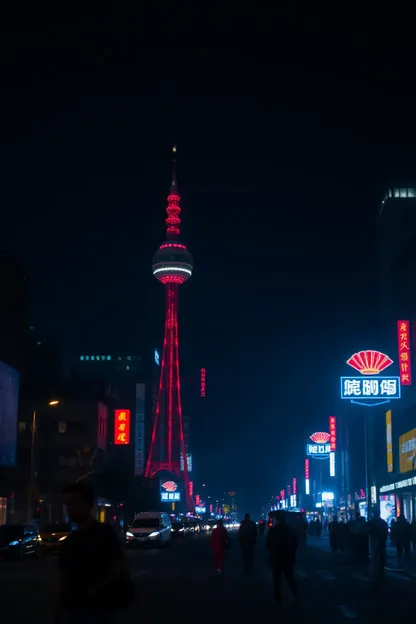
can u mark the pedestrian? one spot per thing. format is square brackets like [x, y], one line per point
[402, 531]
[334, 535]
[220, 542]
[282, 544]
[94, 583]
[318, 529]
[247, 535]
[378, 532]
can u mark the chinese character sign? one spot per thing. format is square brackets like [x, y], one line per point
[320, 451]
[403, 342]
[282, 494]
[121, 426]
[203, 382]
[370, 388]
[333, 433]
[294, 484]
[197, 500]
[170, 497]
[306, 468]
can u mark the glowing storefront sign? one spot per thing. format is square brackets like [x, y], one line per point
[121, 426]
[328, 497]
[200, 510]
[370, 389]
[398, 485]
[333, 432]
[403, 343]
[389, 442]
[307, 487]
[407, 451]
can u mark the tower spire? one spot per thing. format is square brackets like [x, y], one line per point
[173, 209]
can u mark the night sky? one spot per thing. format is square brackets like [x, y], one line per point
[287, 136]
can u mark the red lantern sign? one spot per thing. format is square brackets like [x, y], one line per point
[121, 426]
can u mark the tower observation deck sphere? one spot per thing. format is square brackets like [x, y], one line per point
[172, 263]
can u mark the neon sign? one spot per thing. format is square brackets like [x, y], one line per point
[157, 357]
[169, 492]
[333, 432]
[321, 448]
[306, 468]
[203, 382]
[403, 342]
[370, 389]
[294, 488]
[121, 426]
[169, 486]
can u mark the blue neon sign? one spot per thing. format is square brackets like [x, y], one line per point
[372, 388]
[157, 357]
[318, 451]
[170, 497]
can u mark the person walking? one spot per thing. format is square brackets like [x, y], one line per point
[94, 582]
[220, 541]
[282, 545]
[378, 532]
[247, 535]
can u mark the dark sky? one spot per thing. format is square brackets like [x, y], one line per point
[288, 131]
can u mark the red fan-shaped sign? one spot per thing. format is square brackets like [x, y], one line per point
[320, 437]
[170, 486]
[369, 362]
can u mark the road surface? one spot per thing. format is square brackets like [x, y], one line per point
[179, 585]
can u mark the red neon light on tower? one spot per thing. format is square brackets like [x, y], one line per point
[333, 432]
[172, 266]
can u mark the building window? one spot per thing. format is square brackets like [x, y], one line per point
[62, 426]
[22, 426]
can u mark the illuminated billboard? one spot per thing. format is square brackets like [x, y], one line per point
[121, 426]
[371, 388]
[403, 344]
[407, 451]
[332, 464]
[169, 492]
[188, 462]
[321, 447]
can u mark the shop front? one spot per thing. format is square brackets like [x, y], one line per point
[398, 498]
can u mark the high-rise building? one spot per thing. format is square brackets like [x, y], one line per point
[172, 266]
[14, 313]
[396, 238]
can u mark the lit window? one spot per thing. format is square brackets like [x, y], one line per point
[108, 357]
[92, 357]
[81, 358]
[22, 426]
[87, 357]
[62, 426]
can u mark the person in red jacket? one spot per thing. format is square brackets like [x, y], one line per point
[219, 543]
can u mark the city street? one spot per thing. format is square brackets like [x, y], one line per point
[178, 584]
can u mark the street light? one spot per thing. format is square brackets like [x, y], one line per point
[51, 403]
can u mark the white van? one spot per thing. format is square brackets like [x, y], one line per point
[150, 527]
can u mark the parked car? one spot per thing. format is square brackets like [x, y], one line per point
[18, 541]
[53, 536]
[151, 528]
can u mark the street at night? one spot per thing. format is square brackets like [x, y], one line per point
[178, 584]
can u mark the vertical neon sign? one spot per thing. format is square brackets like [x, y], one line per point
[307, 486]
[294, 489]
[333, 432]
[403, 343]
[203, 383]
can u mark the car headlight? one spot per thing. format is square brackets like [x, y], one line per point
[14, 543]
[182, 529]
[155, 534]
[128, 534]
[61, 539]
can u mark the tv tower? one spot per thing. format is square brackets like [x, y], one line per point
[172, 266]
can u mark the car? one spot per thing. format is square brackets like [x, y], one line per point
[179, 529]
[195, 526]
[212, 524]
[53, 535]
[18, 541]
[151, 528]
